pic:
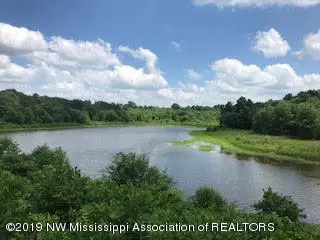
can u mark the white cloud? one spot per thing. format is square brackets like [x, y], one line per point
[70, 53]
[150, 77]
[4, 61]
[231, 75]
[143, 54]
[176, 45]
[271, 44]
[66, 66]
[178, 95]
[19, 40]
[92, 70]
[233, 79]
[192, 75]
[311, 47]
[257, 3]
[13, 73]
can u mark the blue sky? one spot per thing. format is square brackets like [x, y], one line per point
[190, 52]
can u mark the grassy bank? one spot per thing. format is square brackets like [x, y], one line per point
[263, 146]
[195, 143]
[9, 127]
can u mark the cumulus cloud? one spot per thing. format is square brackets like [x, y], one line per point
[13, 73]
[231, 75]
[70, 53]
[192, 75]
[69, 67]
[311, 47]
[232, 79]
[19, 40]
[271, 44]
[4, 61]
[143, 54]
[93, 70]
[181, 96]
[257, 3]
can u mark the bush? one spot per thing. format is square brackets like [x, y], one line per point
[283, 206]
[206, 197]
[134, 169]
[213, 128]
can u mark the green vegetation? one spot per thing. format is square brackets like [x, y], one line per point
[206, 148]
[264, 146]
[295, 116]
[20, 111]
[186, 143]
[284, 206]
[206, 197]
[43, 187]
[194, 142]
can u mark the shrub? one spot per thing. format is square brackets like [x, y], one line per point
[134, 169]
[283, 206]
[206, 197]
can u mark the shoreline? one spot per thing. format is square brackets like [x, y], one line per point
[227, 147]
[227, 142]
[53, 127]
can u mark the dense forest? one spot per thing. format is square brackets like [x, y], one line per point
[18, 108]
[295, 116]
[42, 187]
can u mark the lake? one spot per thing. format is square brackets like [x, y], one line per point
[239, 180]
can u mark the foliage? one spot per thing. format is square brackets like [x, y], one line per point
[51, 191]
[297, 116]
[206, 148]
[239, 115]
[267, 147]
[283, 206]
[207, 197]
[23, 110]
[134, 169]
[213, 128]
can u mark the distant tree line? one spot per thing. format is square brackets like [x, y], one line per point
[296, 116]
[18, 108]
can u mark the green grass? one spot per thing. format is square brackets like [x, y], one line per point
[186, 143]
[9, 127]
[190, 142]
[206, 148]
[264, 146]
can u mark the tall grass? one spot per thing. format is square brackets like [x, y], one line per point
[273, 147]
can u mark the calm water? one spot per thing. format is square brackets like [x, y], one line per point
[240, 181]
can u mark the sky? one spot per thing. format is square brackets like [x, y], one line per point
[159, 52]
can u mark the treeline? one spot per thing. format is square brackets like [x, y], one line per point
[18, 108]
[296, 116]
[42, 187]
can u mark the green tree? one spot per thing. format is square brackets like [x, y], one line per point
[175, 106]
[15, 207]
[306, 120]
[134, 169]
[207, 197]
[58, 188]
[14, 116]
[283, 206]
[111, 116]
[29, 115]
